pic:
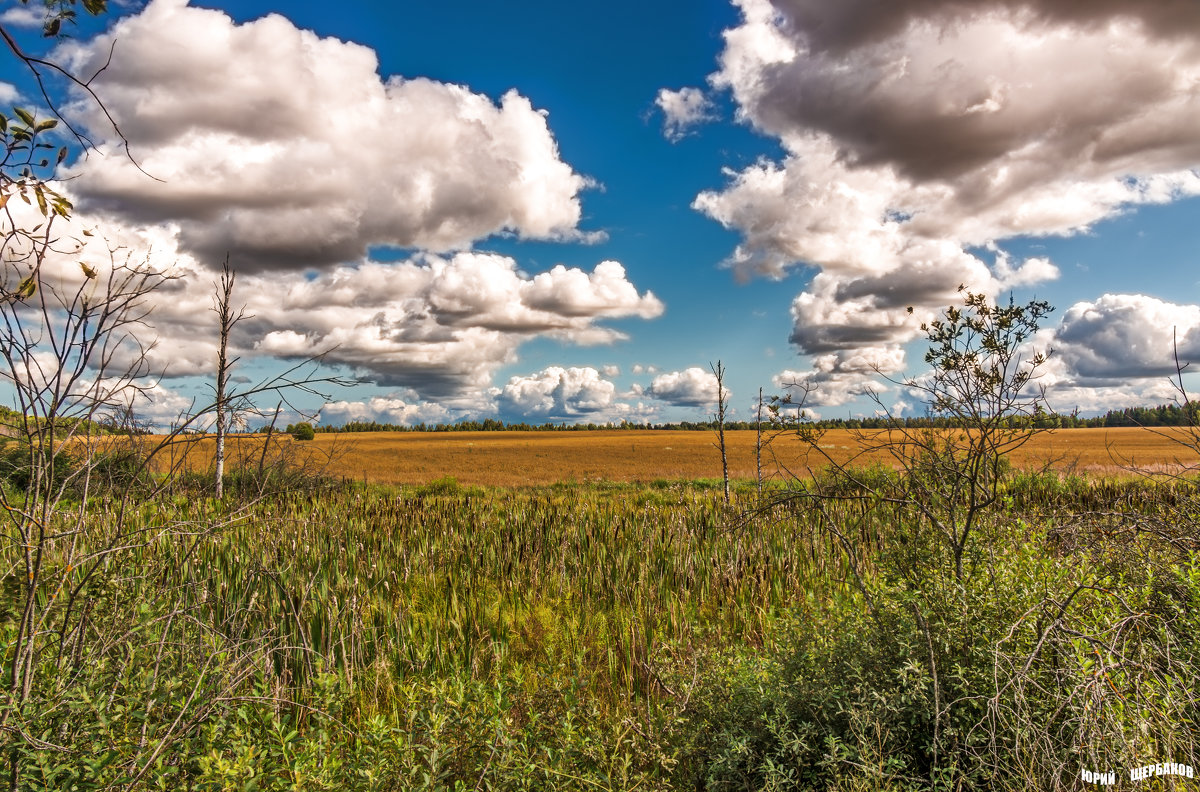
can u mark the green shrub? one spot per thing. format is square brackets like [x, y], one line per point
[17, 466]
[122, 469]
[302, 431]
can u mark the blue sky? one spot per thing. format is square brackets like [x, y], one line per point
[504, 209]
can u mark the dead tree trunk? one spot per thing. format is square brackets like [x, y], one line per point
[758, 443]
[227, 319]
[722, 399]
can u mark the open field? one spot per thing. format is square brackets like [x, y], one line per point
[617, 636]
[527, 458]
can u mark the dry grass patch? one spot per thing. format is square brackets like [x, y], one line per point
[526, 458]
[533, 458]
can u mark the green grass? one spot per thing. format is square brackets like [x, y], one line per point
[562, 637]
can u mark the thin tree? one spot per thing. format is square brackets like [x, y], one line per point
[718, 371]
[227, 319]
[982, 384]
[758, 441]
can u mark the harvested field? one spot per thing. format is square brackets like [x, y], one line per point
[524, 458]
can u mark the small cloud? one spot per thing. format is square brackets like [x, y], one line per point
[682, 110]
[22, 17]
[1029, 272]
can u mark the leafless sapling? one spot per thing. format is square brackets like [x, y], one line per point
[718, 371]
[227, 318]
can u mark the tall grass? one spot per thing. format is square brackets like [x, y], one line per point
[563, 637]
[441, 579]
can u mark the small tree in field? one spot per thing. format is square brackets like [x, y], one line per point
[909, 537]
[983, 383]
[982, 397]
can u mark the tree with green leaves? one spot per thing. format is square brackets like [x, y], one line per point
[982, 387]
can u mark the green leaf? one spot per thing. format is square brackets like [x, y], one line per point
[24, 116]
[42, 126]
[27, 288]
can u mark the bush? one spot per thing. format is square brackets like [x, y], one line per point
[991, 682]
[302, 431]
[121, 469]
[16, 470]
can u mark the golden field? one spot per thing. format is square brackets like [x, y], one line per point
[528, 458]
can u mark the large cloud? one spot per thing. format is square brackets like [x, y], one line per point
[289, 150]
[558, 393]
[1119, 337]
[839, 378]
[387, 410]
[440, 325]
[919, 133]
[692, 387]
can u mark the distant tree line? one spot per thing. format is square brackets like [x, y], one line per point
[11, 421]
[1162, 415]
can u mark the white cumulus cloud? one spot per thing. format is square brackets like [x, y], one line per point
[682, 110]
[692, 387]
[919, 132]
[440, 325]
[23, 16]
[1119, 337]
[387, 410]
[558, 393]
[290, 150]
